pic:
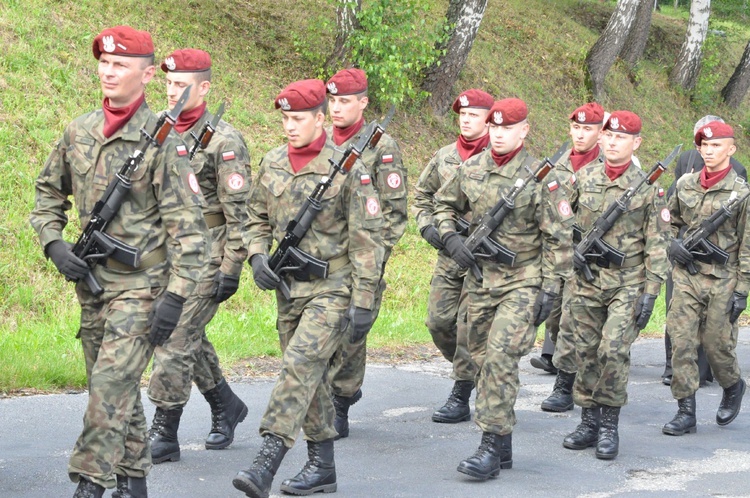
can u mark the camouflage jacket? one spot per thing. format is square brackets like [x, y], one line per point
[693, 204]
[162, 211]
[348, 226]
[565, 173]
[538, 229]
[642, 233]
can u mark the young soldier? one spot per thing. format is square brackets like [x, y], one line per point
[506, 307]
[139, 308]
[347, 100]
[705, 306]
[321, 312]
[447, 301]
[223, 173]
[608, 312]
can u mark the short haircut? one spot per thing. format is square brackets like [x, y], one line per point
[704, 121]
[147, 61]
[202, 76]
[323, 107]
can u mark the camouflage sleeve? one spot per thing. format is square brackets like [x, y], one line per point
[743, 274]
[556, 220]
[656, 229]
[424, 193]
[259, 231]
[393, 189]
[450, 201]
[675, 213]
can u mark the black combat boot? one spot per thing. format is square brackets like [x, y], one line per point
[731, 402]
[318, 474]
[227, 410]
[544, 362]
[456, 408]
[561, 399]
[684, 421]
[256, 481]
[163, 435]
[130, 487]
[587, 432]
[495, 452]
[88, 489]
[609, 440]
[342, 404]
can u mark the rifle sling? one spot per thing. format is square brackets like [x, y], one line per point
[630, 262]
[522, 258]
[215, 220]
[152, 259]
[733, 256]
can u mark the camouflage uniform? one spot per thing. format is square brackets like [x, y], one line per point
[698, 310]
[223, 172]
[500, 309]
[389, 175]
[345, 233]
[162, 217]
[603, 311]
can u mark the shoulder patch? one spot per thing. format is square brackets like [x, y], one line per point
[193, 183]
[573, 179]
[660, 193]
[372, 205]
[364, 180]
[235, 181]
[181, 150]
[393, 180]
[665, 216]
[228, 156]
[387, 158]
[552, 186]
[563, 207]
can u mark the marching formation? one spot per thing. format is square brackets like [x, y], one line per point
[581, 241]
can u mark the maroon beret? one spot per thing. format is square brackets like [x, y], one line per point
[188, 60]
[473, 98]
[624, 122]
[508, 112]
[301, 95]
[591, 113]
[123, 40]
[347, 82]
[713, 131]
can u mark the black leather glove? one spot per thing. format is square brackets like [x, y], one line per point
[579, 260]
[264, 277]
[678, 252]
[431, 235]
[225, 286]
[543, 305]
[67, 263]
[359, 320]
[737, 304]
[454, 244]
[643, 309]
[164, 317]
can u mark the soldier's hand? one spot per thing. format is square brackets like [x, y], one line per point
[679, 253]
[164, 317]
[67, 263]
[359, 321]
[737, 304]
[543, 305]
[579, 260]
[431, 235]
[643, 309]
[225, 286]
[455, 246]
[264, 277]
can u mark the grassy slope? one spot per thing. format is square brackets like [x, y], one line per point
[533, 49]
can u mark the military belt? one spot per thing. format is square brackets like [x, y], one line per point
[215, 220]
[629, 262]
[153, 258]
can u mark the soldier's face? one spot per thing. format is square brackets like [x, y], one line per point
[346, 109]
[123, 78]
[716, 153]
[506, 139]
[302, 127]
[472, 122]
[584, 136]
[618, 148]
[178, 82]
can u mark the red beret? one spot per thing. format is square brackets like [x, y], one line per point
[347, 82]
[123, 40]
[301, 95]
[508, 112]
[624, 122]
[713, 131]
[188, 60]
[473, 98]
[591, 113]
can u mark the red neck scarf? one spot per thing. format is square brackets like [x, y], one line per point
[116, 117]
[187, 119]
[709, 179]
[469, 148]
[579, 159]
[341, 135]
[504, 159]
[614, 172]
[303, 155]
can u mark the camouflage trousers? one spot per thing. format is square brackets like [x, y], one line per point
[310, 333]
[698, 315]
[114, 335]
[560, 327]
[500, 332]
[604, 329]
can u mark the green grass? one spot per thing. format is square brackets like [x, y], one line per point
[533, 49]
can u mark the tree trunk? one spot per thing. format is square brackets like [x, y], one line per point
[465, 16]
[685, 71]
[635, 43]
[676, 4]
[346, 24]
[738, 84]
[604, 52]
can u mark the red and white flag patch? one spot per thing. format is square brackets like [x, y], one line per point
[228, 156]
[552, 186]
[235, 181]
[661, 192]
[193, 183]
[181, 150]
[393, 180]
[388, 158]
[573, 179]
[372, 205]
[364, 180]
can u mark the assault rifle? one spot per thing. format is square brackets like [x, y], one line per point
[206, 134]
[591, 245]
[94, 246]
[288, 258]
[479, 242]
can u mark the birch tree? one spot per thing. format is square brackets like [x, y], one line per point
[686, 70]
[346, 24]
[736, 88]
[635, 43]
